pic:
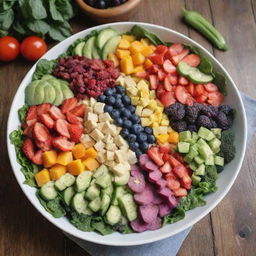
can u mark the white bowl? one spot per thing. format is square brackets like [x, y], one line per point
[224, 183]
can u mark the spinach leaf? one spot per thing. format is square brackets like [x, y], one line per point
[40, 27]
[22, 112]
[6, 19]
[59, 31]
[176, 215]
[221, 82]
[6, 4]
[122, 228]
[99, 225]
[19, 27]
[43, 67]
[56, 15]
[81, 221]
[65, 8]
[37, 9]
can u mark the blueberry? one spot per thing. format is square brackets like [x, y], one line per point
[101, 4]
[125, 133]
[108, 108]
[151, 139]
[126, 112]
[134, 146]
[126, 100]
[120, 89]
[132, 109]
[102, 98]
[109, 92]
[127, 123]
[135, 119]
[115, 113]
[148, 130]
[138, 153]
[142, 137]
[116, 2]
[119, 121]
[131, 138]
[118, 96]
[144, 147]
[137, 128]
[111, 100]
[118, 103]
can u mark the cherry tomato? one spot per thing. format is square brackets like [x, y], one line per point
[33, 47]
[9, 48]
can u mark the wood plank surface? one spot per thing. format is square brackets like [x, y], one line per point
[230, 228]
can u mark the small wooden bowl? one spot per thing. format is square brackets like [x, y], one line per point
[119, 13]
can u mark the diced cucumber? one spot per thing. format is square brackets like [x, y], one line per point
[78, 51]
[201, 142]
[195, 179]
[100, 171]
[193, 166]
[48, 192]
[183, 147]
[200, 170]
[92, 192]
[194, 136]
[95, 204]
[104, 180]
[78, 203]
[104, 36]
[65, 181]
[113, 215]
[209, 160]
[218, 160]
[205, 133]
[119, 192]
[88, 47]
[217, 132]
[83, 181]
[110, 46]
[122, 180]
[205, 151]
[215, 145]
[188, 158]
[199, 160]
[108, 190]
[128, 206]
[105, 202]
[185, 136]
[68, 194]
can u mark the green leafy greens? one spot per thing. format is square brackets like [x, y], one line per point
[44, 67]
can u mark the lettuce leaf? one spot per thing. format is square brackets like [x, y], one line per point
[43, 67]
[22, 112]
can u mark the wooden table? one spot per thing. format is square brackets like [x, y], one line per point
[230, 228]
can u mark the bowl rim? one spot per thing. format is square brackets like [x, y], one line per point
[152, 238]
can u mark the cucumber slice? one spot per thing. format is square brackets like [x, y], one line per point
[66, 91]
[30, 92]
[95, 204]
[108, 190]
[59, 95]
[104, 180]
[47, 77]
[88, 47]
[95, 53]
[83, 181]
[105, 202]
[78, 51]
[39, 92]
[113, 215]
[92, 192]
[102, 170]
[110, 46]
[128, 206]
[67, 180]
[49, 94]
[48, 192]
[193, 74]
[119, 192]
[104, 36]
[68, 195]
[122, 180]
[79, 203]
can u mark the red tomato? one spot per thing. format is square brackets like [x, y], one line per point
[9, 48]
[33, 47]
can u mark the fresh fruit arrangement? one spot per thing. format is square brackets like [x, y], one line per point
[124, 132]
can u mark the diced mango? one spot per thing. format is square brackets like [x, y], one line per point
[145, 41]
[122, 53]
[136, 47]
[154, 118]
[64, 158]
[91, 164]
[135, 100]
[145, 121]
[173, 137]
[57, 171]
[163, 138]
[152, 104]
[144, 102]
[124, 44]
[129, 38]
[148, 63]
[126, 65]
[78, 151]
[138, 58]
[42, 177]
[147, 51]
[159, 109]
[144, 93]
[75, 167]
[90, 153]
[153, 47]
[165, 122]
[142, 84]
[114, 58]
[49, 158]
[155, 124]
[138, 69]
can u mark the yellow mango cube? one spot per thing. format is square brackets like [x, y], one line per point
[145, 121]
[136, 47]
[145, 41]
[42, 177]
[148, 63]
[90, 152]
[129, 38]
[75, 167]
[147, 51]
[126, 65]
[165, 122]
[173, 137]
[78, 151]
[152, 104]
[91, 164]
[142, 85]
[57, 171]
[155, 124]
[64, 158]
[153, 118]
[114, 58]
[144, 102]
[124, 44]
[138, 58]
[159, 109]
[122, 53]
[49, 158]
[138, 69]
[135, 100]
[144, 93]
[163, 138]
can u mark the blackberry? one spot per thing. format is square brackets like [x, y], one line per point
[223, 121]
[192, 128]
[209, 111]
[226, 109]
[213, 124]
[192, 112]
[175, 111]
[179, 126]
[204, 121]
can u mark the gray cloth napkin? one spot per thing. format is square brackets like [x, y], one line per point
[169, 246]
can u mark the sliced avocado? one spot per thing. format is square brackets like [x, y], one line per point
[49, 93]
[110, 46]
[30, 92]
[104, 36]
[88, 47]
[39, 92]
[59, 95]
[78, 51]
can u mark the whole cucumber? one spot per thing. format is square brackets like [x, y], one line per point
[197, 21]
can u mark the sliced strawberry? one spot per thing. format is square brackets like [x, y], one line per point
[68, 104]
[62, 144]
[171, 175]
[44, 146]
[183, 81]
[28, 148]
[29, 131]
[180, 192]
[61, 126]
[210, 87]
[161, 75]
[38, 157]
[32, 113]
[186, 182]
[173, 184]
[153, 69]
[43, 108]
[157, 59]
[160, 91]
[190, 100]
[75, 132]
[199, 90]
[40, 132]
[180, 171]
[192, 60]
[31, 122]
[156, 155]
[165, 148]
[169, 67]
[215, 98]
[201, 98]
[172, 160]
[181, 94]
[46, 120]
[191, 88]
[176, 49]
[173, 79]
[79, 110]
[167, 99]
[166, 168]
[142, 74]
[153, 81]
[55, 113]
[176, 59]
[161, 49]
[179, 157]
[24, 125]
[72, 118]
